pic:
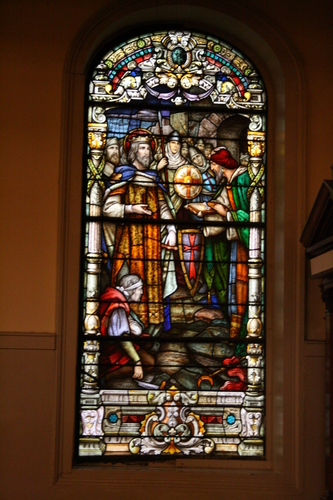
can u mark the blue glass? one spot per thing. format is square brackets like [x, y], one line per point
[231, 419]
[113, 418]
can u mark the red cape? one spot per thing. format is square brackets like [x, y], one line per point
[112, 355]
[110, 300]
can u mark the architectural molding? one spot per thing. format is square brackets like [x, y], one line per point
[27, 340]
[315, 349]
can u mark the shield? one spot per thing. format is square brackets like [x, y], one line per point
[191, 250]
[188, 182]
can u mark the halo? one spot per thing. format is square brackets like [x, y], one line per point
[146, 135]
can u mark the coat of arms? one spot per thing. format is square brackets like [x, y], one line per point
[191, 249]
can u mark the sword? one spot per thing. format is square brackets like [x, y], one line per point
[145, 385]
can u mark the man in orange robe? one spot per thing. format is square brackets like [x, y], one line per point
[138, 196]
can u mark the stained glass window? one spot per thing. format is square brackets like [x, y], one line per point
[173, 313]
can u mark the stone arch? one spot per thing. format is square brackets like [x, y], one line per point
[231, 133]
[282, 74]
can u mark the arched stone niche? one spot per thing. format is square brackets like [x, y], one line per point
[275, 60]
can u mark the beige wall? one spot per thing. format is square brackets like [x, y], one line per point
[44, 49]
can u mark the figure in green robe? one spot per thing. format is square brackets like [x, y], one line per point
[226, 248]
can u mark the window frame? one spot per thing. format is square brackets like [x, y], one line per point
[254, 342]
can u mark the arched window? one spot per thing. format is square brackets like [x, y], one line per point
[172, 331]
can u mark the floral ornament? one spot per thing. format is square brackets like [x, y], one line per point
[172, 428]
[180, 67]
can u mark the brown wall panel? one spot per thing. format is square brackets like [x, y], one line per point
[38, 40]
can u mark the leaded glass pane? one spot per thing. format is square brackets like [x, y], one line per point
[172, 336]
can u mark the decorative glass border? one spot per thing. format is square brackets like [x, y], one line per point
[144, 91]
